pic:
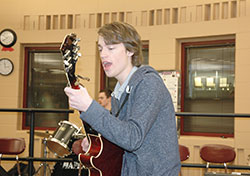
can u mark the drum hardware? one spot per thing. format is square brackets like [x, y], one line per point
[80, 136]
[60, 142]
[42, 134]
[44, 165]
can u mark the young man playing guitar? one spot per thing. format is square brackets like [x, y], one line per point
[142, 119]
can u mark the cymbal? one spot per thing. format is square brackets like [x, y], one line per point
[41, 134]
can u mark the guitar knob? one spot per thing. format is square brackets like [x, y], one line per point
[76, 49]
[76, 41]
[66, 63]
[66, 53]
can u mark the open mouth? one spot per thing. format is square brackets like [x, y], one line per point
[106, 65]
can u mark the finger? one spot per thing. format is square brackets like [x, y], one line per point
[83, 89]
[81, 86]
[83, 144]
[67, 90]
[72, 104]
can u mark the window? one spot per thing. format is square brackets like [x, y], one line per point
[44, 81]
[111, 82]
[208, 73]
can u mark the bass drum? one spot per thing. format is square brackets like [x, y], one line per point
[68, 168]
[61, 141]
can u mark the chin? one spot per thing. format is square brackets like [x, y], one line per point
[108, 74]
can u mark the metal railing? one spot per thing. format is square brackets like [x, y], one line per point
[31, 159]
[235, 115]
[32, 111]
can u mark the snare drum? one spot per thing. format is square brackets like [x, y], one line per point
[62, 139]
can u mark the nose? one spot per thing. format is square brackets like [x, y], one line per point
[103, 53]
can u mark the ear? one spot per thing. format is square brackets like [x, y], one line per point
[130, 54]
[109, 99]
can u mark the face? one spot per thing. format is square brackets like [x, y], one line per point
[116, 60]
[102, 99]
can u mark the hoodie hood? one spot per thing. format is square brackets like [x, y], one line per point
[141, 72]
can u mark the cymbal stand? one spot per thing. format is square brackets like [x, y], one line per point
[44, 164]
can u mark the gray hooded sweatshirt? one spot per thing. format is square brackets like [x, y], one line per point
[145, 127]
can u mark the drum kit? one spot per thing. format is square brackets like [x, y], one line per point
[60, 142]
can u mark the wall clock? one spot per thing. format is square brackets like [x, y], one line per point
[8, 38]
[6, 66]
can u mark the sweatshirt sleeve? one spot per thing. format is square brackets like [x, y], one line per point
[144, 104]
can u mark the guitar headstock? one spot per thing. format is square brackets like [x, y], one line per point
[69, 49]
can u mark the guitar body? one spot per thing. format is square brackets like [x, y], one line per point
[103, 158]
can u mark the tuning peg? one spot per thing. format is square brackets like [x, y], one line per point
[76, 49]
[66, 53]
[77, 56]
[83, 78]
[67, 69]
[76, 41]
[66, 62]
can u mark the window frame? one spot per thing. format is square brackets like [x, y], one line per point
[25, 81]
[183, 81]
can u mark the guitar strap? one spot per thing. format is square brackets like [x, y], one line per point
[90, 130]
[124, 101]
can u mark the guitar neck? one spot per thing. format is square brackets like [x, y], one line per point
[69, 49]
[89, 129]
[72, 82]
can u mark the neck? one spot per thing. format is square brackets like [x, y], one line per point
[108, 106]
[121, 79]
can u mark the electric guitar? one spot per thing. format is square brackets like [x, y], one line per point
[102, 158]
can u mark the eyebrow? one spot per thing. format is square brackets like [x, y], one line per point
[99, 47]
